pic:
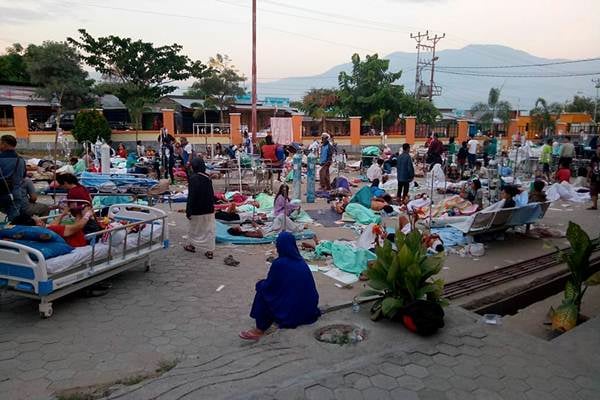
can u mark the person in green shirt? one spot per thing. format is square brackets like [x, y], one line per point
[452, 150]
[546, 158]
[492, 148]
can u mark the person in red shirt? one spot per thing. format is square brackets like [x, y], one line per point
[72, 233]
[122, 151]
[75, 190]
[563, 174]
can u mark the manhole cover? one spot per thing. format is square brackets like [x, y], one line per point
[341, 334]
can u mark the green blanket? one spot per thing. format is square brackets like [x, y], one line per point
[265, 202]
[363, 197]
[345, 256]
[371, 151]
[362, 214]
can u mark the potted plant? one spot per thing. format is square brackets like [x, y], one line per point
[403, 278]
[566, 316]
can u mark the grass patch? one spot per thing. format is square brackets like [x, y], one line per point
[166, 365]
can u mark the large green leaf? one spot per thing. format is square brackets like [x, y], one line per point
[405, 256]
[381, 285]
[392, 275]
[390, 306]
[370, 292]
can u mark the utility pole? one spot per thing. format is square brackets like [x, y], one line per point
[418, 37]
[434, 41]
[254, 116]
[597, 82]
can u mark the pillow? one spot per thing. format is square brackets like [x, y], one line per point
[48, 249]
[30, 233]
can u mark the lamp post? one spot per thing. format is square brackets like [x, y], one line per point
[56, 107]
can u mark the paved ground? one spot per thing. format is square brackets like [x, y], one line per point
[174, 312]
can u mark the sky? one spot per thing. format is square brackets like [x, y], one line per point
[297, 38]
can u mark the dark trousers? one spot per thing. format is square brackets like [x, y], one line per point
[472, 158]
[324, 179]
[261, 313]
[403, 188]
[566, 161]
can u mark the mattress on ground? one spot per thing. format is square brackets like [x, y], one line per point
[224, 237]
[83, 254]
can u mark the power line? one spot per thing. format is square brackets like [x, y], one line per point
[522, 65]
[521, 76]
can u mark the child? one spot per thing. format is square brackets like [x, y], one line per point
[537, 194]
[563, 174]
[508, 194]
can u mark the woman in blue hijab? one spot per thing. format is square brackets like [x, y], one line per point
[288, 296]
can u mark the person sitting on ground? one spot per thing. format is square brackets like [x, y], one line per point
[73, 233]
[563, 174]
[121, 151]
[375, 171]
[537, 194]
[474, 193]
[508, 193]
[282, 203]
[288, 296]
[453, 174]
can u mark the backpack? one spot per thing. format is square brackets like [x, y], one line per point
[7, 183]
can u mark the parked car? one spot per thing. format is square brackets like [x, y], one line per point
[67, 121]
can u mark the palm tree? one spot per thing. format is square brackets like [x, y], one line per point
[494, 108]
[200, 109]
[544, 116]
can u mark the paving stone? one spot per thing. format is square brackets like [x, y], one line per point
[60, 374]
[290, 393]
[403, 394]
[515, 384]
[440, 371]
[537, 383]
[484, 394]
[384, 381]
[437, 383]
[462, 383]
[535, 394]
[491, 371]
[445, 360]
[351, 378]
[448, 349]
[362, 383]
[430, 394]
[318, 392]
[374, 393]
[33, 374]
[588, 394]
[470, 350]
[332, 381]
[391, 369]
[492, 384]
[410, 382]
[459, 394]
[467, 370]
[348, 394]
[587, 383]
[471, 341]
[416, 370]
[512, 394]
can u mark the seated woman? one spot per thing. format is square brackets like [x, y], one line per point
[288, 296]
[72, 233]
[474, 193]
[537, 194]
[282, 203]
[122, 151]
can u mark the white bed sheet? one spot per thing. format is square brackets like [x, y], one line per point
[81, 255]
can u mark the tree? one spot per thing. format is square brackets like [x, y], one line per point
[220, 83]
[494, 108]
[423, 110]
[12, 65]
[544, 116]
[90, 125]
[321, 104]
[200, 108]
[581, 104]
[370, 88]
[138, 71]
[55, 68]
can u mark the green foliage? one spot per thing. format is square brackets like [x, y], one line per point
[12, 65]
[221, 83]
[578, 260]
[544, 116]
[321, 104]
[494, 108]
[581, 104]
[404, 275]
[56, 68]
[90, 125]
[424, 110]
[137, 72]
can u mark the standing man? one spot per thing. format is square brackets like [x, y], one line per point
[405, 172]
[594, 177]
[567, 152]
[325, 161]
[473, 144]
[167, 151]
[546, 158]
[247, 145]
[435, 151]
[12, 173]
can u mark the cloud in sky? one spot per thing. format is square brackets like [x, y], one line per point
[27, 11]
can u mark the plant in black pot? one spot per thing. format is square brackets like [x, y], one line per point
[404, 277]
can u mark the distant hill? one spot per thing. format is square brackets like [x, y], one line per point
[459, 91]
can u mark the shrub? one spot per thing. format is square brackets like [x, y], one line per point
[91, 125]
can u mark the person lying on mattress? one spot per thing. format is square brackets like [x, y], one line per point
[288, 296]
[280, 223]
[73, 232]
[365, 198]
[232, 214]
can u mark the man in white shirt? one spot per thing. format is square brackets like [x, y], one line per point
[314, 147]
[472, 145]
[375, 171]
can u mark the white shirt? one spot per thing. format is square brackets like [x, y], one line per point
[374, 172]
[188, 148]
[473, 146]
[314, 146]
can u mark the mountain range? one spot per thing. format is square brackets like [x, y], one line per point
[460, 91]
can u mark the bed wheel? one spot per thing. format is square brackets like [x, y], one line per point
[46, 310]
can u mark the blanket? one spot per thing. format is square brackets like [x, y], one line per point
[224, 237]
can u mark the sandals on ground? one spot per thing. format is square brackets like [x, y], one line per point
[209, 255]
[190, 248]
[250, 335]
[232, 262]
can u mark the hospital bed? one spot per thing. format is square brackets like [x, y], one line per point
[25, 272]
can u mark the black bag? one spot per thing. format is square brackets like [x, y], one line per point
[7, 183]
[422, 317]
